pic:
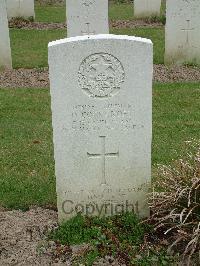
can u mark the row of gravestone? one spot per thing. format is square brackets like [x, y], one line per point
[25, 8]
[101, 93]
[91, 17]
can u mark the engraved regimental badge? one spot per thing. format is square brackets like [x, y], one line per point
[87, 2]
[101, 75]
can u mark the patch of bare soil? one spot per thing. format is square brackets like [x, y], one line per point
[39, 78]
[23, 241]
[176, 74]
[24, 78]
[131, 24]
[29, 25]
[50, 2]
[22, 234]
[117, 24]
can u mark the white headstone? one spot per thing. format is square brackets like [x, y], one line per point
[87, 17]
[101, 91]
[5, 51]
[146, 8]
[182, 33]
[20, 8]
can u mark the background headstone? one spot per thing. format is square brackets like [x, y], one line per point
[20, 8]
[5, 51]
[182, 33]
[87, 17]
[101, 91]
[146, 8]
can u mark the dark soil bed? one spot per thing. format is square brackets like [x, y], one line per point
[117, 24]
[39, 78]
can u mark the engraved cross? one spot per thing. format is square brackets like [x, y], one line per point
[103, 156]
[88, 32]
[188, 29]
[19, 4]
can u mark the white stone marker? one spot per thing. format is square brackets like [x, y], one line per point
[101, 91]
[87, 17]
[146, 8]
[5, 51]
[182, 33]
[20, 8]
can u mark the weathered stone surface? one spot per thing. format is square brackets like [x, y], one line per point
[146, 8]
[5, 52]
[20, 8]
[87, 17]
[102, 122]
[182, 32]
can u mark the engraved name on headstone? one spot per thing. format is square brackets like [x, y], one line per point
[101, 92]
[5, 51]
[182, 32]
[87, 17]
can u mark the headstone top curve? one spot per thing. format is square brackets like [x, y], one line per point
[100, 37]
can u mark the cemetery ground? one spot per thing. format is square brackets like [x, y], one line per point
[27, 177]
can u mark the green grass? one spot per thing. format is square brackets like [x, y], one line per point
[80, 229]
[121, 11]
[176, 115]
[27, 165]
[29, 47]
[26, 168]
[58, 13]
[119, 236]
[50, 14]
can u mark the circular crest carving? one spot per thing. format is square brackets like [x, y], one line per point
[101, 75]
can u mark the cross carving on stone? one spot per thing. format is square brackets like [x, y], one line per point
[19, 4]
[88, 32]
[103, 156]
[188, 29]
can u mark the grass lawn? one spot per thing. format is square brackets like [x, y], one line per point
[121, 11]
[50, 14]
[176, 115]
[27, 166]
[26, 169]
[29, 47]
